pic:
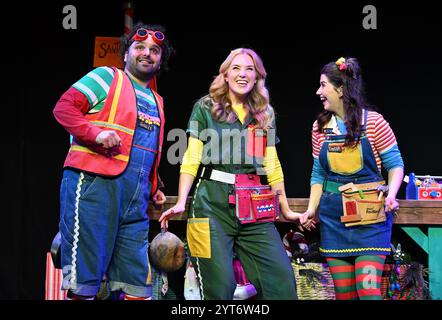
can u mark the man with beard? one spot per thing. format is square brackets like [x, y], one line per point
[111, 171]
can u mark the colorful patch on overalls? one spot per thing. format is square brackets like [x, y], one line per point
[147, 121]
[256, 141]
[343, 159]
[335, 147]
[368, 250]
[198, 237]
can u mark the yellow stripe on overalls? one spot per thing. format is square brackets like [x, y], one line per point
[353, 250]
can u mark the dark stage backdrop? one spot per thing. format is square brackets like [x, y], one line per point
[400, 61]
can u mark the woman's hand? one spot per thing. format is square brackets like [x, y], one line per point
[168, 214]
[290, 215]
[303, 218]
[391, 205]
[307, 220]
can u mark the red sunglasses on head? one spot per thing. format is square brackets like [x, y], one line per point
[142, 34]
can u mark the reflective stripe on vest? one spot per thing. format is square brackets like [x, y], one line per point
[87, 150]
[119, 114]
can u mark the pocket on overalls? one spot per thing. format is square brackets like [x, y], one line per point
[256, 142]
[243, 208]
[265, 206]
[344, 160]
[198, 237]
[87, 185]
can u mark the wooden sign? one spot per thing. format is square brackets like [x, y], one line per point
[107, 52]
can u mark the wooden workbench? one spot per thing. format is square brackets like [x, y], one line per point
[411, 215]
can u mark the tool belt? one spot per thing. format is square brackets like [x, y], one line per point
[363, 203]
[254, 202]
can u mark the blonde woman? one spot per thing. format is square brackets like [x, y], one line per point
[232, 140]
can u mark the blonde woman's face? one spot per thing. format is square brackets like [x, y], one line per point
[241, 76]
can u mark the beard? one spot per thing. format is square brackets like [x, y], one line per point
[142, 73]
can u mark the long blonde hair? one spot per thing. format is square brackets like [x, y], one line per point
[257, 101]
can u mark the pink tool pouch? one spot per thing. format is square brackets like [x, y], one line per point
[253, 201]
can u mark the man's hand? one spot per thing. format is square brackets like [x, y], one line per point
[108, 139]
[159, 198]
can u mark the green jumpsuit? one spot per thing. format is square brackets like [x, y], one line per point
[213, 230]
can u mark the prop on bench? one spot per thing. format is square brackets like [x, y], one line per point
[423, 187]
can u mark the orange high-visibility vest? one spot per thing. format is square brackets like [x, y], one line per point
[119, 113]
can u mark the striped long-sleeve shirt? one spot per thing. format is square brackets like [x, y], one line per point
[88, 95]
[381, 138]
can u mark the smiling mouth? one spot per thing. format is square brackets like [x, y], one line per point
[145, 62]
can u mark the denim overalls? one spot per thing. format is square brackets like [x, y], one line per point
[214, 232]
[344, 164]
[104, 222]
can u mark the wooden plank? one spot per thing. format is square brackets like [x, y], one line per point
[419, 212]
[155, 213]
[420, 204]
[412, 212]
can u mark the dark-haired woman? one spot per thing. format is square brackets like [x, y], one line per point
[351, 143]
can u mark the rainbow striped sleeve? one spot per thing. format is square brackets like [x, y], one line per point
[317, 140]
[383, 142]
[95, 86]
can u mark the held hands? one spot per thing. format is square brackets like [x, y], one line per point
[307, 220]
[168, 214]
[304, 219]
[108, 139]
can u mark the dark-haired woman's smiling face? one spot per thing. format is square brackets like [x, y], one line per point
[330, 96]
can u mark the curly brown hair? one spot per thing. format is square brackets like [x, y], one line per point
[167, 49]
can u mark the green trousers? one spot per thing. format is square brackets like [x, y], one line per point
[214, 234]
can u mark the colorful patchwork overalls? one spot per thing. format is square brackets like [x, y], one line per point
[344, 164]
[214, 233]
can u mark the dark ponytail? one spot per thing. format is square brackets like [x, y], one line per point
[346, 73]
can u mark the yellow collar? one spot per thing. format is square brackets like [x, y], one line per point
[240, 111]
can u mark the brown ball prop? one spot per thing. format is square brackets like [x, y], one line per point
[166, 252]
